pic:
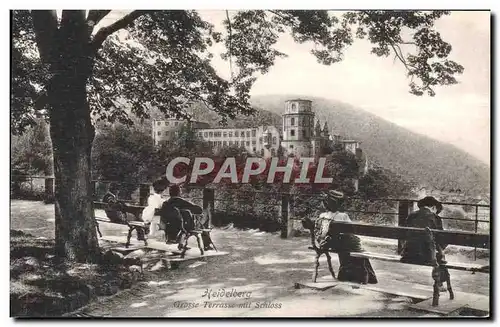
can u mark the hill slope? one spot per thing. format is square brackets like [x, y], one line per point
[416, 156]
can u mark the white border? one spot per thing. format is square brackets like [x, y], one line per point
[194, 4]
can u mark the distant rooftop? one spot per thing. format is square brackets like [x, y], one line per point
[298, 99]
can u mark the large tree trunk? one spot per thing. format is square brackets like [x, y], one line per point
[72, 135]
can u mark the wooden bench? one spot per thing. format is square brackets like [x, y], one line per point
[132, 225]
[462, 238]
[135, 225]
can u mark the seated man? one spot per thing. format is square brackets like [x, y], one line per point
[117, 211]
[419, 250]
[173, 220]
[177, 215]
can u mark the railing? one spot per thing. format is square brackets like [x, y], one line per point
[287, 206]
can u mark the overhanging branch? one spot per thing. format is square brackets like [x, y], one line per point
[94, 17]
[125, 21]
[45, 26]
[97, 15]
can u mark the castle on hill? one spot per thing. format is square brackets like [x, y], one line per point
[301, 135]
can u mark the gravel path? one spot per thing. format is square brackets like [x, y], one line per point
[258, 274]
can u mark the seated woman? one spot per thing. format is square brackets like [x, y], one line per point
[118, 212]
[155, 201]
[358, 270]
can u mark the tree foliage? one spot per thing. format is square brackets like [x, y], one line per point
[66, 69]
[32, 151]
[164, 58]
[122, 154]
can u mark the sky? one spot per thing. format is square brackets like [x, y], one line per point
[458, 114]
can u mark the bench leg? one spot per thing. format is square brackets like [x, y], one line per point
[198, 239]
[98, 230]
[329, 261]
[214, 246]
[183, 244]
[437, 278]
[145, 236]
[435, 295]
[129, 236]
[448, 283]
[316, 267]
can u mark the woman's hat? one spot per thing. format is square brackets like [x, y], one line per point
[430, 201]
[333, 195]
[332, 199]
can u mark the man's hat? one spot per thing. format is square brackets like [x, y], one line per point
[430, 201]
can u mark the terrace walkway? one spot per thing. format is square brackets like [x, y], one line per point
[260, 263]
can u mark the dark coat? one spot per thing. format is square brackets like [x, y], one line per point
[182, 204]
[418, 250]
[176, 214]
[115, 210]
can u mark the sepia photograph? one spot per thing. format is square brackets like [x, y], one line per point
[250, 163]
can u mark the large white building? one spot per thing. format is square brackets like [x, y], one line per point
[301, 134]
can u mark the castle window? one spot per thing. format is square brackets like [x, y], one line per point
[292, 121]
[292, 132]
[260, 140]
[254, 142]
[211, 134]
[262, 152]
[248, 133]
[224, 134]
[224, 143]
[242, 134]
[304, 133]
[254, 133]
[230, 142]
[248, 143]
[274, 140]
[294, 106]
[254, 149]
[167, 123]
[176, 123]
[206, 134]
[273, 152]
[230, 134]
[291, 146]
[159, 133]
[159, 123]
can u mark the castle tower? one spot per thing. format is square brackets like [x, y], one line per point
[317, 129]
[298, 128]
[326, 133]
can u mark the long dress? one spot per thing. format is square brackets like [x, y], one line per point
[155, 201]
[358, 270]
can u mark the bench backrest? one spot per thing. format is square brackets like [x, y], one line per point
[470, 239]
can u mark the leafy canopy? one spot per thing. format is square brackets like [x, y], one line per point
[164, 58]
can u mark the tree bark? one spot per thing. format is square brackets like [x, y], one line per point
[72, 135]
